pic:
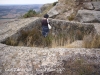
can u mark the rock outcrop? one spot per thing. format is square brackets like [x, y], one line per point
[21, 60]
[37, 61]
[88, 6]
[76, 10]
[31, 60]
[90, 13]
[96, 5]
[59, 27]
[62, 9]
[44, 7]
[88, 16]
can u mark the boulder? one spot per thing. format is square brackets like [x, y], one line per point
[88, 6]
[56, 10]
[88, 16]
[44, 7]
[53, 12]
[96, 5]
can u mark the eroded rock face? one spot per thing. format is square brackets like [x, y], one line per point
[89, 13]
[88, 6]
[90, 10]
[96, 5]
[10, 28]
[56, 10]
[92, 5]
[44, 7]
[37, 61]
[53, 12]
[61, 29]
[45, 61]
[88, 16]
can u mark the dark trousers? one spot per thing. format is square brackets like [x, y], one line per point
[45, 30]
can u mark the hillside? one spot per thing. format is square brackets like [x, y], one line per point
[15, 11]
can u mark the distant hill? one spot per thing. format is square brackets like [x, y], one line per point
[14, 11]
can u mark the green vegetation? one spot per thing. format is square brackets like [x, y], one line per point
[55, 3]
[30, 13]
[71, 17]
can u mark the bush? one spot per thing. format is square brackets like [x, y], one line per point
[34, 38]
[30, 13]
[71, 17]
[55, 3]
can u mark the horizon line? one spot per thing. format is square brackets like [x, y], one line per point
[17, 4]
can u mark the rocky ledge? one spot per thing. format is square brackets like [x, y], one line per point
[18, 60]
[41, 61]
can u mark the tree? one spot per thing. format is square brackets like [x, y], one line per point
[30, 13]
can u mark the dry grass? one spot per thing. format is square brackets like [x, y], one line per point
[11, 41]
[61, 38]
[31, 38]
[78, 67]
[71, 3]
[91, 41]
[71, 17]
[34, 38]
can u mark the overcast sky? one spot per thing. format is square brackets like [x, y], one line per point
[26, 1]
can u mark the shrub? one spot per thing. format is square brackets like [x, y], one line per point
[71, 17]
[55, 3]
[11, 41]
[34, 38]
[30, 13]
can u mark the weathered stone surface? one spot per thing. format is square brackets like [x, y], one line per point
[88, 6]
[44, 7]
[8, 29]
[96, 5]
[88, 16]
[97, 27]
[53, 12]
[56, 10]
[92, 5]
[37, 61]
[58, 27]
[30, 60]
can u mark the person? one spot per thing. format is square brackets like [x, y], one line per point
[45, 29]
